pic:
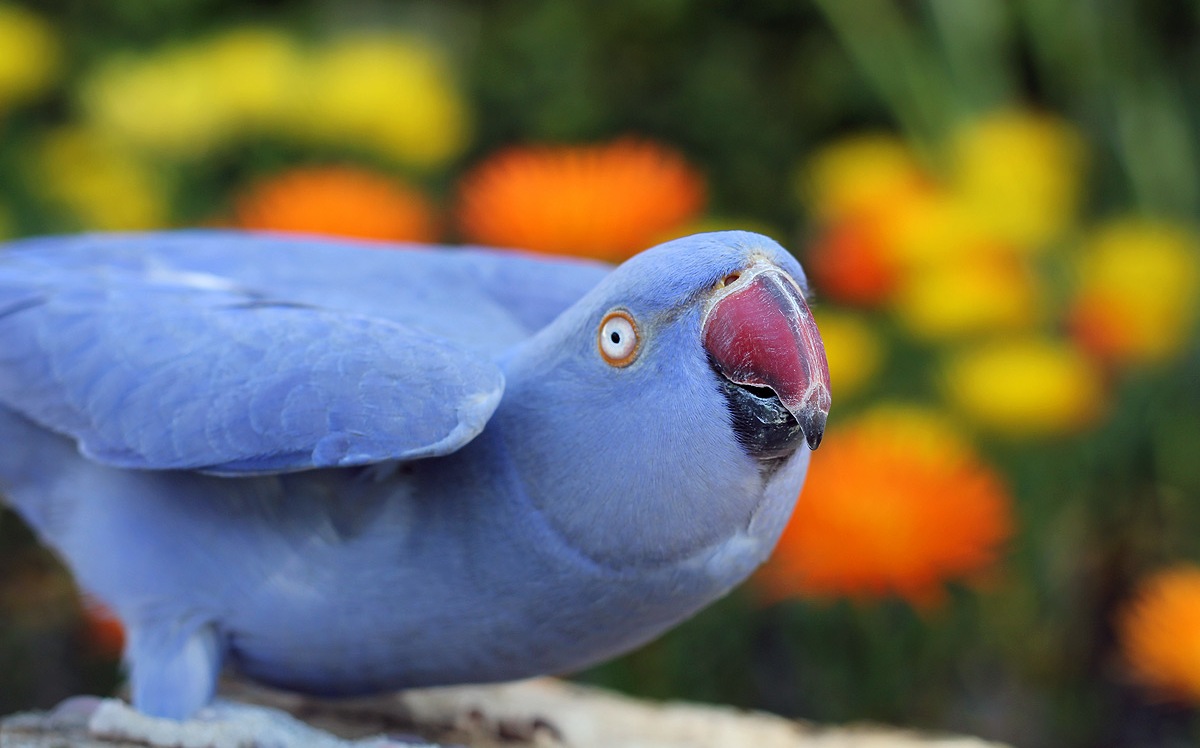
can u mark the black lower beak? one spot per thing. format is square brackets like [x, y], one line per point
[764, 428]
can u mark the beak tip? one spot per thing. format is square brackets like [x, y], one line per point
[813, 425]
[813, 439]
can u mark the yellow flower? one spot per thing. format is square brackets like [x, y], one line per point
[259, 71]
[1159, 632]
[390, 93]
[186, 100]
[1025, 387]
[985, 292]
[169, 102]
[1138, 286]
[1019, 174]
[393, 95]
[932, 226]
[29, 55]
[859, 174]
[896, 502]
[863, 257]
[99, 182]
[853, 348]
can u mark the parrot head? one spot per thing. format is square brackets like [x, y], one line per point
[672, 402]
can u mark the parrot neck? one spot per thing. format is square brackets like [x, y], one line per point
[645, 481]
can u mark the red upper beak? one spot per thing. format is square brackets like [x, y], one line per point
[760, 333]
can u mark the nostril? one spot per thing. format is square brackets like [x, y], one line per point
[728, 280]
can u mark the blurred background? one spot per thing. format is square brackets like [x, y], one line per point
[995, 200]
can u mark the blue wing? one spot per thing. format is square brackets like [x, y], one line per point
[235, 354]
[484, 299]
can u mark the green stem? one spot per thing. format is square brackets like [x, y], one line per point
[976, 39]
[1151, 128]
[1102, 60]
[884, 47]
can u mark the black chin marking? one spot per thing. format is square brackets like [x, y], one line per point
[764, 428]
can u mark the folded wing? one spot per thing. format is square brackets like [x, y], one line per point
[154, 369]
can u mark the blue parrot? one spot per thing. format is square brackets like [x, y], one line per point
[342, 469]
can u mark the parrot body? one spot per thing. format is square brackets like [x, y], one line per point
[344, 470]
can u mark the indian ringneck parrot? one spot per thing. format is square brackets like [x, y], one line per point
[342, 468]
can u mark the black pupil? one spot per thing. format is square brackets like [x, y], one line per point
[615, 336]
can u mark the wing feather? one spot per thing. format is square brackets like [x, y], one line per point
[154, 371]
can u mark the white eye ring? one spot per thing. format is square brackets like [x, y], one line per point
[618, 338]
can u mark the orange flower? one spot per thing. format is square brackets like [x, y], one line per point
[604, 201]
[1159, 632]
[850, 263]
[103, 633]
[337, 200]
[895, 503]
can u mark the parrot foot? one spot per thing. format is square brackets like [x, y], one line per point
[222, 724]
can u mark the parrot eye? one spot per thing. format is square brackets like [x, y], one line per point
[618, 338]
